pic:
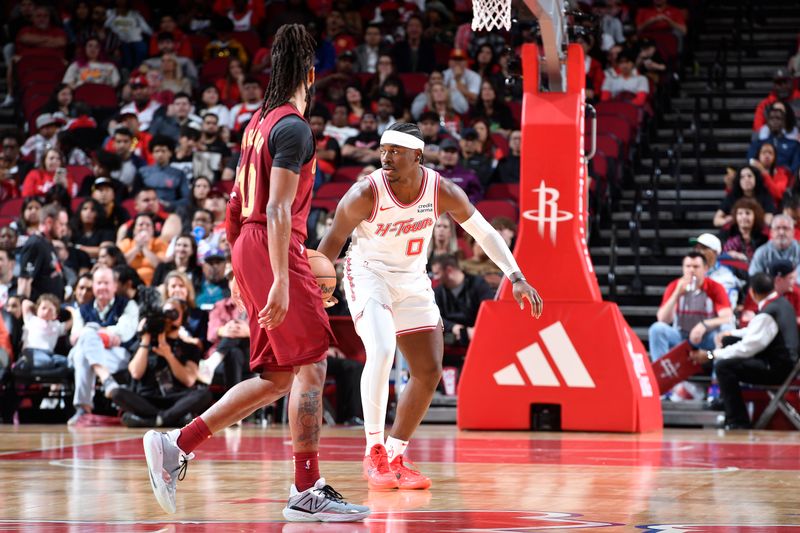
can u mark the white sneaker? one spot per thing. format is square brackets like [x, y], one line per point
[205, 373]
[321, 503]
[8, 102]
[166, 464]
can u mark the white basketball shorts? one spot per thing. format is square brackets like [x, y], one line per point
[408, 296]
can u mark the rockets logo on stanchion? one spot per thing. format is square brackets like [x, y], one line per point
[547, 215]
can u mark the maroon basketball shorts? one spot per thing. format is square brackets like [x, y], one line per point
[305, 334]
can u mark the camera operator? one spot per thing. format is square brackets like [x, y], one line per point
[164, 371]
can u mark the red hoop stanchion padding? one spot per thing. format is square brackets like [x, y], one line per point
[580, 358]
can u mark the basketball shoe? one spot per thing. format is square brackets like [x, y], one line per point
[167, 464]
[321, 503]
[408, 478]
[377, 472]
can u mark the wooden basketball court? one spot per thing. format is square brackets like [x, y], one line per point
[95, 479]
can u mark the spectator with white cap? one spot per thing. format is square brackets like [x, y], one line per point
[47, 127]
[711, 247]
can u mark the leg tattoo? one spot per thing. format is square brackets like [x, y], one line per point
[309, 418]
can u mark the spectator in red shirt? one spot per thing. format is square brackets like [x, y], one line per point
[8, 187]
[183, 46]
[782, 89]
[777, 178]
[661, 17]
[51, 172]
[785, 278]
[694, 307]
[627, 82]
[41, 39]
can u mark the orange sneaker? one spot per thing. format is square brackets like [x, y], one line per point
[409, 479]
[377, 471]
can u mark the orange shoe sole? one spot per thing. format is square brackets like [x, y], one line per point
[420, 484]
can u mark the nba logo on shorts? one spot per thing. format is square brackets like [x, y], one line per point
[547, 212]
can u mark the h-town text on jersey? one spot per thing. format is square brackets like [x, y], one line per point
[401, 227]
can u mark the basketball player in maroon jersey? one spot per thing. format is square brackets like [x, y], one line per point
[289, 330]
[391, 215]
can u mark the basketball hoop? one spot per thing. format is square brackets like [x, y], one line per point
[491, 14]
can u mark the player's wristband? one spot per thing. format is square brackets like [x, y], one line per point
[145, 346]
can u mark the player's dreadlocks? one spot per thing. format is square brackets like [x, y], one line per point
[293, 54]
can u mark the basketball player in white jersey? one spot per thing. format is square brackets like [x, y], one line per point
[391, 215]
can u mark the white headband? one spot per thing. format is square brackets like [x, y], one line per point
[399, 138]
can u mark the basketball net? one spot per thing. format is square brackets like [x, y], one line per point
[491, 14]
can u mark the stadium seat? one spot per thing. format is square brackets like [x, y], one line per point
[501, 143]
[248, 39]
[332, 190]
[76, 203]
[78, 173]
[413, 83]
[491, 209]
[214, 69]
[199, 42]
[96, 95]
[347, 174]
[503, 191]
[516, 111]
[626, 110]
[325, 204]
[11, 208]
[442, 54]
[129, 205]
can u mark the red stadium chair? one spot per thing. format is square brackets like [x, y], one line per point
[346, 174]
[491, 209]
[626, 110]
[441, 52]
[129, 205]
[248, 39]
[34, 66]
[516, 111]
[76, 203]
[78, 173]
[11, 208]
[503, 191]
[96, 95]
[214, 69]
[619, 127]
[325, 204]
[413, 82]
[332, 190]
[198, 42]
[501, 143]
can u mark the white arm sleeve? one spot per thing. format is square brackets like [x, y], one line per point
[491, 242]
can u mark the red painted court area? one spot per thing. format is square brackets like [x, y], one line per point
[667, 454]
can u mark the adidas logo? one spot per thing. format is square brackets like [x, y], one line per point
[538, 370]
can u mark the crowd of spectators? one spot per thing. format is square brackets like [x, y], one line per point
[127, 148]
[740, 302]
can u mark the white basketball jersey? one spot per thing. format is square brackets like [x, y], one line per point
[395, 237]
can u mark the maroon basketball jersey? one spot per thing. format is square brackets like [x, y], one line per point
[248, 203]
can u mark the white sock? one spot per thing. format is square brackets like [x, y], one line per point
[395, 447]
[378, 335]
[374, 433]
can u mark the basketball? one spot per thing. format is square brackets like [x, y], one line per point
[324, 271]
